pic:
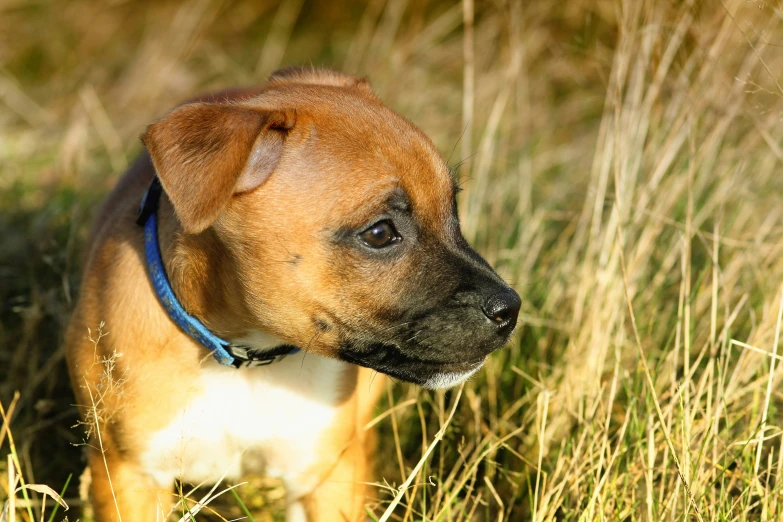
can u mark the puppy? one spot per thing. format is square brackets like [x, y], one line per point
[292, 242]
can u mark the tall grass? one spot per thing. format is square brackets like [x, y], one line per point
[621, 162]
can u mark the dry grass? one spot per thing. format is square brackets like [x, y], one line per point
[622, 169]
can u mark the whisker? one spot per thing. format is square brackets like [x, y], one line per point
[455, 146]
[306, 349]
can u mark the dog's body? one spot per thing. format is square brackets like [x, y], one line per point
[305, 213]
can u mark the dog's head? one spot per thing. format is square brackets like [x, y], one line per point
[338, 217]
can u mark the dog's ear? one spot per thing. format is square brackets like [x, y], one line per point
[205, 152]
[314, 76]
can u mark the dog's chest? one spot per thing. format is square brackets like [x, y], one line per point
[268, 419]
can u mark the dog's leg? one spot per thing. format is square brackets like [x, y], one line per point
[340, 497]
[125, 494]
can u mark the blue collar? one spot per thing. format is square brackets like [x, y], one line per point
[224, 352]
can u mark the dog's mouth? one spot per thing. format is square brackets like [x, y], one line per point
[394, 362]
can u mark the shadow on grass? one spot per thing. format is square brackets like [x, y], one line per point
[40, 263]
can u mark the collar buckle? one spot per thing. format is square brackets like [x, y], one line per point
[245, 357]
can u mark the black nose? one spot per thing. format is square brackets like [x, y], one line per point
[503, 309]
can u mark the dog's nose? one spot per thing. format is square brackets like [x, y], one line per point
[502, 309]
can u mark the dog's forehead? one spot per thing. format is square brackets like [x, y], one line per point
[368, 152]
[384, 159]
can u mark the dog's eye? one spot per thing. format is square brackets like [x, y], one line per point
[380, 235]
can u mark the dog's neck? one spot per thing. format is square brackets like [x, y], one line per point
[198, 271]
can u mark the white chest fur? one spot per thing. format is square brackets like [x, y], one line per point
[269, 418]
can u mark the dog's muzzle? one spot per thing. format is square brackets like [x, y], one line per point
[444, 345]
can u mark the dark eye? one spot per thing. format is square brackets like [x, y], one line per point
[380, 235]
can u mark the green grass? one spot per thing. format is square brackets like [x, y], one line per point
[622, 169]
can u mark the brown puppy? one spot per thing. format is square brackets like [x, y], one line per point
[304, 214]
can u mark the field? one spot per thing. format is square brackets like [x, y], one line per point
[622, 166]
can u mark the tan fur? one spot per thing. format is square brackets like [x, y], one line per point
[253, 182]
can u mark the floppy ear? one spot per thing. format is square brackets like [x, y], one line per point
[204, 152]
[313, 76]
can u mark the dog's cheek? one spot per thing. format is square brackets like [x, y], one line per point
[279, 278]
[372, 294]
